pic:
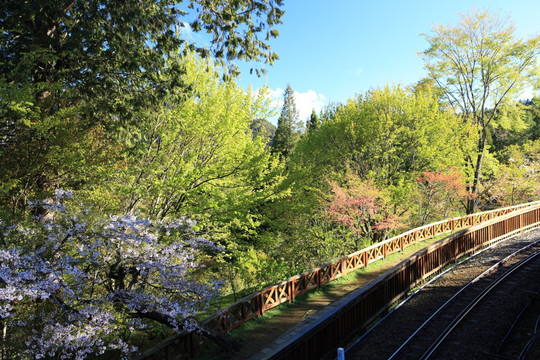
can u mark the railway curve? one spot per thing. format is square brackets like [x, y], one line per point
[484, 332]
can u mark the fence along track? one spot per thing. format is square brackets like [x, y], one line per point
[365, 305]
[286, 291]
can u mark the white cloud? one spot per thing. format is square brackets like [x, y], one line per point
[185, 30]
[528, 94]
[305, 102]
[276, 97]
[308, 101]
[193, 37]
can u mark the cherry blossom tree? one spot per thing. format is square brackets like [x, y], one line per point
[71, 287]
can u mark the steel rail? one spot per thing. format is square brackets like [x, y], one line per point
[443, 306]
[527, 347]
[473, 303]
[518, 318]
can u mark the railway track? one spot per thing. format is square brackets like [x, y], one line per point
[458, 308]
[522, 340]
[463, 314]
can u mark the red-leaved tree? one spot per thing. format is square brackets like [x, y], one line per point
[362, 208]
[439, 193]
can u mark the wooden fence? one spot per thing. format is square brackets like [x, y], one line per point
[185, 345]
[363, 306]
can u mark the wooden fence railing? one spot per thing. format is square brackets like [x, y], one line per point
[185, 345]
[367, 303]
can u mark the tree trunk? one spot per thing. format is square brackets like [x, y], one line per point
[225, 343]
[473, 190]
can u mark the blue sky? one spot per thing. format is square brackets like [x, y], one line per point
[333, 50]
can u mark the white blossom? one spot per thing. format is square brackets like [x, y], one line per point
[87, 282]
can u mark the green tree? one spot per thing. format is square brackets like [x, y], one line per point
[314, 122]
[196, 156]
[502, 138]
[481, 67]
[388, 135]
[71, 68]
[289, 126]
[517, 178]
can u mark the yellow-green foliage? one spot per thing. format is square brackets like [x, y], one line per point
[517, 179]
[194, 154]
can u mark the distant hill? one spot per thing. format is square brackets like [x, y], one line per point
[262, 127]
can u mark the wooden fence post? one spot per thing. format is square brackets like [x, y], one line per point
[229, 322]
[290, 291]
[260, 303]
[344, 269]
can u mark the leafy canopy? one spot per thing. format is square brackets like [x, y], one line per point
[480, 65]
[386, 135]
[196, 156]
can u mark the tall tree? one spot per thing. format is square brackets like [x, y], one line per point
[314, 122]
[289, 125]
[388, 135]
[481, 67]
[70, 68]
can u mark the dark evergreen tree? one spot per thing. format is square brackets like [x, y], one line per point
[314, 122]
[289, 125]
